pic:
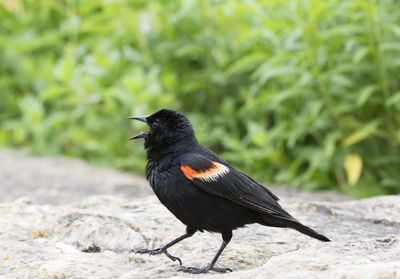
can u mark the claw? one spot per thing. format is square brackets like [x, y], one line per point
[197, 270]
[172, 257]
[221, 269]
[148, 251]
[157, 252]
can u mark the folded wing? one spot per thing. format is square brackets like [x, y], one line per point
[222, 180]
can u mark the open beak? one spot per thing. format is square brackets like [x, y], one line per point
[142, 119]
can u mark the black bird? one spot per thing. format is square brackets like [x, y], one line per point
[202, 190]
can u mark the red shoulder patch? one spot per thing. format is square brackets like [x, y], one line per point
[216, 171]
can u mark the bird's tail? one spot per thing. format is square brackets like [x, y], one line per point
[288, 221]
[306, 230]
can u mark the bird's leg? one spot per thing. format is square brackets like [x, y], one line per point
[163, 249]
[195, 270]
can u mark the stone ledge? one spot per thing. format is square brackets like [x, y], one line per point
[48, 241]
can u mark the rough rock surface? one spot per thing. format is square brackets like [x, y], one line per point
[93, 238]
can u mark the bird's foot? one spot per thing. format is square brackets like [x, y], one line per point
[161, 250]
[151, 251]
[198, 270]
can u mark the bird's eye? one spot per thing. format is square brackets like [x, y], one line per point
[154, 124]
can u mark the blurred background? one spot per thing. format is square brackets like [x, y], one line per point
[299, 92]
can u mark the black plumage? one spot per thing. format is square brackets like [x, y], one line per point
[202, 190]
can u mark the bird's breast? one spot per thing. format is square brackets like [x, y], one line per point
[158, 176]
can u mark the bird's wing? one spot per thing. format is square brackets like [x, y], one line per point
[222, 180]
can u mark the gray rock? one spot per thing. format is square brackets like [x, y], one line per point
[48, 241]
[59, 227]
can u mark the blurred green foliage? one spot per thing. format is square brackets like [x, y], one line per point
[305, 92]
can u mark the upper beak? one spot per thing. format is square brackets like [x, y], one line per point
[143, 119]
[140, 118]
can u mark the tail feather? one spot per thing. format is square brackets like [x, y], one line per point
[306, 230]
[288, 221]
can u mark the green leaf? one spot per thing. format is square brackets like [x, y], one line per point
[361, 134]
[246, 62]
[393, 100]
[365, 94]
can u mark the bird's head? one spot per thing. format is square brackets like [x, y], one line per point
[168, 129]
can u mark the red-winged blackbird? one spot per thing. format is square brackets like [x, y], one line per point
[202, 190]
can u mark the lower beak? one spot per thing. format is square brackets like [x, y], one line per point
[140, 136]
